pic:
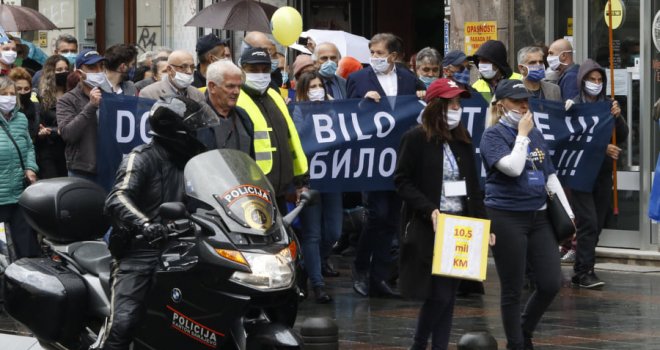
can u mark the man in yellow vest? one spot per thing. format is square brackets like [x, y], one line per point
[491, 58]
[277, 147]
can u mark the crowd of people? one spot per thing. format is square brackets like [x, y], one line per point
[50, 130]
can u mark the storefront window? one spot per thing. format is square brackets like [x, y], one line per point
[529, 24]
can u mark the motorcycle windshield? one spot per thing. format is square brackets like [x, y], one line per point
[232, 183]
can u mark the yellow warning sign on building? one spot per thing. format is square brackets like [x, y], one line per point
[477, 33]
[43, 39]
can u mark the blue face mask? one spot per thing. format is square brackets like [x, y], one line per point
[273, 65]
[71, 57]
[328, 69]
[535, 73]
[462, 77]
[427, 80]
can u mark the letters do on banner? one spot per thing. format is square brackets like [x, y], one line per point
[461, 247]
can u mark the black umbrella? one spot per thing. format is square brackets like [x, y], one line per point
[245, 15]
[20, 19]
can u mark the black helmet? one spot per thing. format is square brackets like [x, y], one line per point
[174, 122]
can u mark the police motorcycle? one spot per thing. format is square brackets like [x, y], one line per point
[226, 278]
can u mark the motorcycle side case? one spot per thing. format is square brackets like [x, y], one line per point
[65, 209]
[46, 297]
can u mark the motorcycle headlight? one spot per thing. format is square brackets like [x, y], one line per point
[269, 271]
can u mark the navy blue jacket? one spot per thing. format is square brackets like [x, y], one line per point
[365, 80]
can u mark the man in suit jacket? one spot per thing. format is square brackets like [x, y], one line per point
[530, 65]
[373, 258]
[180, 68]
[326, 59]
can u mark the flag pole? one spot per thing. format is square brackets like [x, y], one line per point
[614, 172]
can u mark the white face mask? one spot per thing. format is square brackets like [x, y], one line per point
[257, 81]
[8, 57]
[486, 70]
[512, 117]
[592, 89]
[317, 94]
[553, 62]
[551, 75]
[183, 80]
[7, 103]
[379, 64]
[453, 117]
[95, 79]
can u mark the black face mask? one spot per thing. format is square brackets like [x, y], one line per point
[25, 98]
[60, 78]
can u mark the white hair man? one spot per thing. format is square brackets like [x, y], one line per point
[326, 58]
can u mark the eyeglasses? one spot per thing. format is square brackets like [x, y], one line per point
[184, 67]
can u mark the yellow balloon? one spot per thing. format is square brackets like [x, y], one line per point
[286, 25]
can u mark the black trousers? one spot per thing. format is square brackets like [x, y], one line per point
[591, 210]
[524, 237]
[373, 253]
[132, 278]
[436, 314]
[22, 236]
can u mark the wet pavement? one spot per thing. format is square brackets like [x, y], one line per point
[625, 314]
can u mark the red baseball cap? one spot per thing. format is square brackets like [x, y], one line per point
[445, 88]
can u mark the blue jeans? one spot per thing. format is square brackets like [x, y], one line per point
[321, 227]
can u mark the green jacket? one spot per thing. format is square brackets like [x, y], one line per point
[11, 173]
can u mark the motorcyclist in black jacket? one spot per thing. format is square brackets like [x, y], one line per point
[149, 176]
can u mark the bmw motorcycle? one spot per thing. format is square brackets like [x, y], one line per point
[226, 278]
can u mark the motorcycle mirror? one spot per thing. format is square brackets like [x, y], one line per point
[172, 210]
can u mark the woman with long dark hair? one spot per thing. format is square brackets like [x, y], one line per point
[322, 222]
[435, 162]
[49, 144]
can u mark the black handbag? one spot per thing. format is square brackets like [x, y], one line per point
[26, 180]
[561, 223]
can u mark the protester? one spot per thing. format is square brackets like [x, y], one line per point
[227, 52]
[560, 60]
[531, 67]
[158, 71]
[277, 61]
[149, 176]
[65, 45]
[322, 222]
[8, 55]
[348, 65]
[326, 58]
[260, 40]
[119, 68]
[427, 65]
[76, 114]
[17, 164]
[519, 168]
[382, 78]
[23, 59]
[234, 129]
[433, 156]
[592, 208]
[209, 49]
[455, 67]
[177, 81]
[491, 58]
[23, 85]
[277, 147]
[49, 146]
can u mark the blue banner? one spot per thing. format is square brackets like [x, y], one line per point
[577, 139]
[351, 145]
[123, 125]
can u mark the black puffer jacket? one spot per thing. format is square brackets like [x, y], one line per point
[146, 178]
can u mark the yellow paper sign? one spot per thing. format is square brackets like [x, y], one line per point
[477, 33]
[43, 39]
[618, 13]
[461, 247]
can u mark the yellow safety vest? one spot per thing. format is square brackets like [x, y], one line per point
[263, 151]
[483, 87]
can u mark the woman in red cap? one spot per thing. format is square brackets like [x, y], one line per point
[435, 158]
